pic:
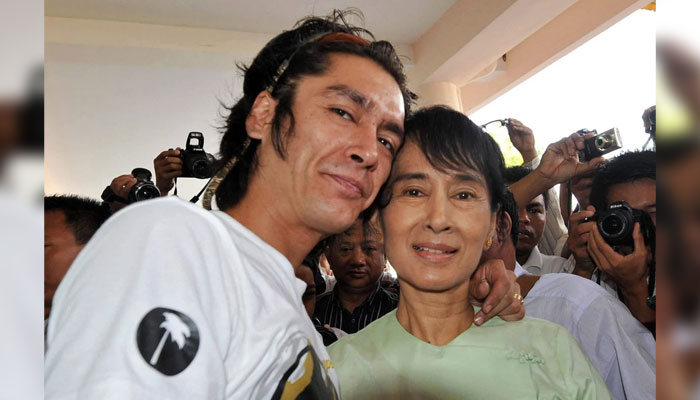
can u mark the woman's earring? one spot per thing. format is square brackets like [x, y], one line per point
[488, 244]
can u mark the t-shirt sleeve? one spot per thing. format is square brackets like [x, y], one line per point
[143, 312]
[581, 377]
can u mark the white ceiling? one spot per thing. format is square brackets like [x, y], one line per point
[399, 21]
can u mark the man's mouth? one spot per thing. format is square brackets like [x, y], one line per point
[350, 187]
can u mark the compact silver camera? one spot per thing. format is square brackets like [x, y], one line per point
[601, 143]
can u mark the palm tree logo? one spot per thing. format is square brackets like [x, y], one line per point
[178, 331]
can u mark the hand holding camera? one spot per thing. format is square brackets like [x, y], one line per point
[192, 162]
[560, 162]
[168, 166]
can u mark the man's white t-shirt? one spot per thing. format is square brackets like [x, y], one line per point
[171, 301]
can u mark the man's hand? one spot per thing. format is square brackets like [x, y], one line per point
[522, 138]
[579, 233]
[560, 161]
[628, 271]
[494, 288]
[121, 185]
[168, 165]
[581, 188]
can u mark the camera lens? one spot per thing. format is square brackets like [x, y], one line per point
[613, 225]
[200, 169]
[145, 191]
[603, 142]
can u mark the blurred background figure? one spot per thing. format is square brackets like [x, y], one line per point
[678, 83]
[21, 189]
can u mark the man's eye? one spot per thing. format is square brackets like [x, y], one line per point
[342, 113]
[387, 144]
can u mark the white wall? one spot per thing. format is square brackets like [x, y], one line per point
[110, 109]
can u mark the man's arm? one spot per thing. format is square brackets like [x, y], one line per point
[522, 138]
[559, 163]
[495, 288]
[134, 317]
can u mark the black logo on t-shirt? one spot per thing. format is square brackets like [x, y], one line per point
[168, 340]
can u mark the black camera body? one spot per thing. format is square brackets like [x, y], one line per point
[616, 224]
[196, 163]
[144, 189]
[601, 143]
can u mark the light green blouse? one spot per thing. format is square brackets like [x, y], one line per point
[528, 359]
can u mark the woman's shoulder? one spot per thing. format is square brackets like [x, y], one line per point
[376, 335]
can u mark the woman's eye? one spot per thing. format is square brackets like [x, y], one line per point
[465, 196]
[413, 192]
[342, 113]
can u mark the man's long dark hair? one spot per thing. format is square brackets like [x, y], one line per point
[303, 56]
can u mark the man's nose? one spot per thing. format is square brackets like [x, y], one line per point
[524, 218]
[358, 257]
[364, 146]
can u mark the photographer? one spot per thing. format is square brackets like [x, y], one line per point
[554, 235]
[623, 270]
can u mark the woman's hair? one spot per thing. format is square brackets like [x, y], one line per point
[278, 67]
[452, 142]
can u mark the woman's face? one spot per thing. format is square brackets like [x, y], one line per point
[436, 224]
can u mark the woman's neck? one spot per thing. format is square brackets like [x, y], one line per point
[436, 318]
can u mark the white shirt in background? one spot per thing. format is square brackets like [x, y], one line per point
[620, 347]
[540, 264]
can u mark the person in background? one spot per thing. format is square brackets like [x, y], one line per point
[356, 257]
[532, 217]
[69, 223]
[555, 232]
[622, 350]
[622, 270]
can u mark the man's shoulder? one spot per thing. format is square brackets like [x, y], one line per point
[568, 286]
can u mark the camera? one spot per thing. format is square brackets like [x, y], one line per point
[144, 189]
[601, 143]
[616, 224]
[196, 163]
[650, 125]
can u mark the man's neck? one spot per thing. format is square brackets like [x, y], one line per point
[263, 216]
[351, 298]
[522, 256]
[436, 318]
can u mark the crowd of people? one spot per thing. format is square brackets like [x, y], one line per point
[361, 249]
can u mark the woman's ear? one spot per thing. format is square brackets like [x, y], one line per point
[259, 119]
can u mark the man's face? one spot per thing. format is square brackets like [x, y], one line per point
[305, 273]
[639, 194]
[532, 219]
[60, 249]
[436, 224]
[357, 258]
[348, 124]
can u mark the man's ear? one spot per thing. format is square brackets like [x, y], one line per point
[507, 226]
[259, 119]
